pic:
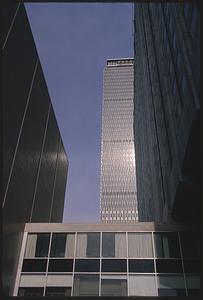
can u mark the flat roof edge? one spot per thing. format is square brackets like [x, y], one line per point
[85, 227]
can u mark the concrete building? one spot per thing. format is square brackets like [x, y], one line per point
[142, 259]
[167, 111]
[118, 194]
[34, 159]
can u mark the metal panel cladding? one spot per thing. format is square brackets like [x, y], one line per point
[118, 199]
[31, 141]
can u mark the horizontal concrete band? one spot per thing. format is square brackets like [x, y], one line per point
[137, 226]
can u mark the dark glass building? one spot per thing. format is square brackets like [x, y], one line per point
[167, 105]
[34, 159]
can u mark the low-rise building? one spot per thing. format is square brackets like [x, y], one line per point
[140, 259]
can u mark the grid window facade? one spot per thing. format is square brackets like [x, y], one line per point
[119, 264]
[118, 180]
[167, 85]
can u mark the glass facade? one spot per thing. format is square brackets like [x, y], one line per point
[118, 180]
[34, 160]
[167, 104]
[104, 267]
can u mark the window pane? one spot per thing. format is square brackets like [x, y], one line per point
[167, 244]
[174, 41]
[58, 244]
[88, 245]
[193, 285]
[171, 292]
[141, 265]
[193, 282]
[93, 245]
[140, 245]
[195, 22]
[190, 243]
[86, 285]
[187, 9]
[81, 246]
[42, 246]
[60, 265]
[114, 287]
[58, 291]
[30, 291]
[31, 245]
[169, 266]
[120, 245]
[142, 285]
[37, 245]
[34, 265]
[114, 265]
[193, 292]
[178, 62]
[192, 266]
[169, 285]
[108, 244]
[87, 265]
[70, 245]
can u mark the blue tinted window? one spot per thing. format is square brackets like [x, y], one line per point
[194, 22]
[187, 10]
[174, 87]
[178, 61]
[175, 45]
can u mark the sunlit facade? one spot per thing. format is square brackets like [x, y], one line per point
[118, 200]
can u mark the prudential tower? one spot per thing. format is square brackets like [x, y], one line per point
[118, 194]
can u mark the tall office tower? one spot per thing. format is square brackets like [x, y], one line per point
[34, 159]
[167, 105]
[118, 201]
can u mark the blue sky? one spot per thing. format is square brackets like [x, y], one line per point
[73, 42]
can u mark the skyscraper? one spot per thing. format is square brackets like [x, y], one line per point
[118, 199]
[167, 111]
[135, 259]
[34, 159]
